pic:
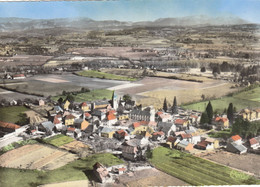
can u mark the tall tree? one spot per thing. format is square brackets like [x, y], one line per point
[209, 111]
[70, 98]
[174, 106]
[60, 100]
[230, 113]
[165, 107]
[127, 98]
[204, 118]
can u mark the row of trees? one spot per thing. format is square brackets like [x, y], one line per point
[174, 107]
[245, 128]
[207, 115]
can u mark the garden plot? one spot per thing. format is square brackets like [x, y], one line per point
[36, 156]
[77, 147]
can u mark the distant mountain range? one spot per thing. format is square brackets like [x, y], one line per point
[18, 24]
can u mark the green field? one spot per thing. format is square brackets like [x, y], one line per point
[89, 96]
[58, 140]
[197, 171]
[102, 75]
[16, 145]
[250, 98]
[76, 170]
[12, 114]
[221, 134]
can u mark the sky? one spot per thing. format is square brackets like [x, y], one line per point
[132, 10]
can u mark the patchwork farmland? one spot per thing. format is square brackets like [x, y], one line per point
[197, 171]
[58, 140]
[245, 99]
[54, 84]
[36, 156]
[153, 90]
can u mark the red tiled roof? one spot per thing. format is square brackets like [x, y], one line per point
[236, 137]
[70, 116]
[159, 113]
[56, 120]
[221, 119]
[185, 136]
[193, 116]
[136, 124]
[121, 169]
[180, 121]
[19, 75]
[253, 141]
[32, 131]
[87, 114]
[111, 117]
[158, 133]
[140, 123]
[203, 144]
[71, 129]
[171, 139]
[9, 125]
[111, 111]
[122, 132]
[84, 104]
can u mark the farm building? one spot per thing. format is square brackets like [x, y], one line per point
[166, 127]
[8, 127]
[236, 148]
[19, 76]
[86, 107]
[107, 132]
[254, 143]
[172, 141]
[184, 145]
[101, 173]
[221, 122]
[69, 119]
[46, 126]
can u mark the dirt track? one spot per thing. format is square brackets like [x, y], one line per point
[149, 177]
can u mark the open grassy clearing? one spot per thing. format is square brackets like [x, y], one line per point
[76, 170]
[250, 99]
[12, 114]
[102, 75]
[89, 96]
[221, 134]
[197, 171]
[58, 140]
[43, 88]
[124, 72]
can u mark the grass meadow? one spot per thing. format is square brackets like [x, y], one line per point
[89, 96]
[12, 114]
[77, 170]
[245, 99]
[103, 75]
[58, 140]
